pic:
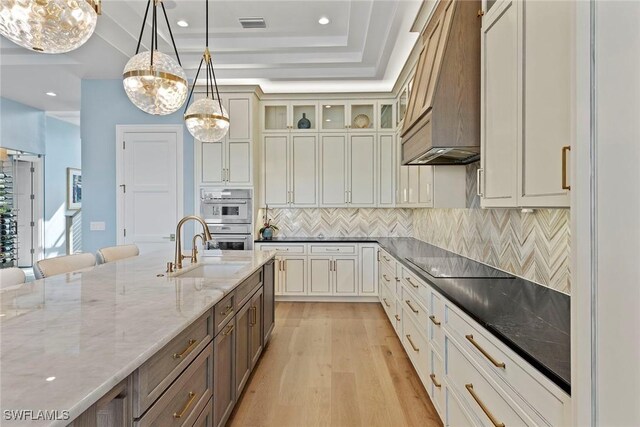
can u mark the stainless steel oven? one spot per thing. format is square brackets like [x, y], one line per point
[229, 215]
[226, 206]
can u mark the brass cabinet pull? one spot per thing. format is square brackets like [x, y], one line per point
[386, 302]
[411, 283]
[484, 352]
[228, 331]
[433, 380]
[186, 350]
[416, 349]
[486, 411]
[284, 265]
[397, 318]
[386, 259]
[254, 315]
[411, 307]
[228, 309]
[386, 278]
[378, 256]
[435, 322]
[480, 12]
[192, 397]
[565, 150]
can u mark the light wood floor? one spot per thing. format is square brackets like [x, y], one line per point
[334, 364]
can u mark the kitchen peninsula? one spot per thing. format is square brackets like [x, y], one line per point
[124, 341]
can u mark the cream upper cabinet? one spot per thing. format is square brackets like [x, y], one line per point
[527, 107]
[386, 170]
[291, 170]
[298, 116]
[239, 109]
[362, 171]
[333, 170]
[386, 115]
[352, 116]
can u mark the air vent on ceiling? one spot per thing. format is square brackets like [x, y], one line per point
[252, 23]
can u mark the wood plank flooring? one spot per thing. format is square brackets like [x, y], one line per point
[334, 364]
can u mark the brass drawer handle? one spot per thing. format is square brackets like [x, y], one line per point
[433, 380]
[435, 322]
[565, 150]
[192, 397]
[386, 302]
[484, 352]
[228, 309]
[385, 258]
[228, 331]
[411, 307]
[416, 349]
[486, 411]
[411, 283]
[186, 350]
[386, 278]
[397, 318]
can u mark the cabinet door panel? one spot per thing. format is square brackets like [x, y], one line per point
[304, 170]
[268, 316]
[500, 108]
[547, 106]
[320, 276]
[240, 122]
[413, 191]
[403, 185]
[425, 196]
[346, 276]
[243, 363]
[363, 172]
[255, 330]
[333, 172]
[239, 163]
[294, 276]
[386, 165]
[368, 270]
[223, 384]
[212, 162]
[275, 181]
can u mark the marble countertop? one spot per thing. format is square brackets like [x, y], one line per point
[69, 339]
[532, 320]
[340, 239]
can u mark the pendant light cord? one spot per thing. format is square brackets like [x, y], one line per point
[154, 29]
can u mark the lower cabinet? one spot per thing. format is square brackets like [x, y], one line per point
[243, 364]
[256, 337]
[112, 410]
[292, 275]
[223, 385]
[333, 275]
[206, 416]
[269, 306]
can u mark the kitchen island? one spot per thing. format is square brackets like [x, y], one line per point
[68, 340]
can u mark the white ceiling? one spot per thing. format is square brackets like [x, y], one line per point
[362, 49]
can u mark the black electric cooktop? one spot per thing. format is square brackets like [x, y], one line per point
[457, 267]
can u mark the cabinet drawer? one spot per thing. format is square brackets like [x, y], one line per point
[223, 312]
[183, 402]
[156, 374]
[437, 376]
[282, 249]
[517, 376]
[388, 303]
[457, 415]
[387, 278]
[333, 249]
[416, 311]
[388, 261]
[416, 346]
[245, 289]
[436, 326]
[417, 286]
[205, 419]
[480, 396]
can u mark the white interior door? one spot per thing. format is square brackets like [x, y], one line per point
[150, 188]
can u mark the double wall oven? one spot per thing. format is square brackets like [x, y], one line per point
[229, 215]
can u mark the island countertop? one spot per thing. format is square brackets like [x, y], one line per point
[69, 339]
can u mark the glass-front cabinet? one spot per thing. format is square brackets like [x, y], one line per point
[281, 116]
[354, 116]
[386, 120]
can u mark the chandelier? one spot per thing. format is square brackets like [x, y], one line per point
[206, 118]
[154, 81]
[49, 26]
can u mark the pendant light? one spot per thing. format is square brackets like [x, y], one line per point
[206, 118]
[49, 26]
[154, 81]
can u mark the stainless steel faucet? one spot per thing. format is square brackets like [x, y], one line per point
[178, 255]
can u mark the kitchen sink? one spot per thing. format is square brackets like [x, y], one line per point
[214, 270]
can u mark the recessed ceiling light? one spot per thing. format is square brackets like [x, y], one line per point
[52, 94]
[323, 21]
[51, 378]
[327, 120]
[182, 23]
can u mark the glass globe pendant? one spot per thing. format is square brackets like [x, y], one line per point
[154, 81]
[49, 26]
[206, 119]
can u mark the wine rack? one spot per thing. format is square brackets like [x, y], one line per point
[8, 225]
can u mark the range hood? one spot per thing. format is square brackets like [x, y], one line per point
[442, 122]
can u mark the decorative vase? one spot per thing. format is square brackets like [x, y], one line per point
[304, 123]
[267, 233]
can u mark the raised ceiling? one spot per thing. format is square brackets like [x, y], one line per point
[362, 49]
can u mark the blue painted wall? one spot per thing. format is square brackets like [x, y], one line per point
[104, 105]
[63, 151]
[21, 127]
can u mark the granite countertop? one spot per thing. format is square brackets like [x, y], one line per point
[69, 339]
[532, 320]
